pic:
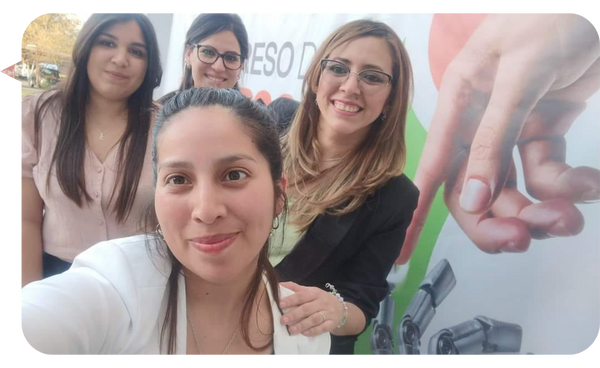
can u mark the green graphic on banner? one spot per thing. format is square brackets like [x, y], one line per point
[403, 293]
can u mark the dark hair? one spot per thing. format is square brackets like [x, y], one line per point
[283, 110]
[256, 121]
[72, 98]
[206, 25]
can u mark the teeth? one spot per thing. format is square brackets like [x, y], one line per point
[215, 79]
[344, 107]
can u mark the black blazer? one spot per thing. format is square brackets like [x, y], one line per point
[355, 252]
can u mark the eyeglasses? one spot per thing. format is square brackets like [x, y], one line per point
[336, 72]
[209, 55]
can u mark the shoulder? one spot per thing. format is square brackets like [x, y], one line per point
[307, 347]
[132, 262]
[398, 193]
[33, 100]
[400, 185]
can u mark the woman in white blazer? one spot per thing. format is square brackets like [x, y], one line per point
[199, 281]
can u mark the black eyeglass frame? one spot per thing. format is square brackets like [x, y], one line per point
[197, 46]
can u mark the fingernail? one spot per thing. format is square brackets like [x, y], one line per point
[559, 229]
[475, 196]
[293, 329]
[285, 320]
[511, 247]
[283, 305]
[590, 195]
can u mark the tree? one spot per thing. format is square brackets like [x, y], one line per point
[50, 38]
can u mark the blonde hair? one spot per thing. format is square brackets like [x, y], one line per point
[380, 156]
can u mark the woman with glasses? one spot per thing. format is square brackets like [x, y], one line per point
[216, 46]
[350, 203]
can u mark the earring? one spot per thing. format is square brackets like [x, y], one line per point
[383, 116]
[276, 221]
[159, 231]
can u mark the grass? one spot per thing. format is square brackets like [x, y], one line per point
[28, 91]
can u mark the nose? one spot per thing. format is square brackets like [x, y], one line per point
[219, 65]
[121, 57]
[351, 84]
[208, 204]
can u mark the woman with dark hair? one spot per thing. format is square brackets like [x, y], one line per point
[199, 281]
[85, 153]
[283, 109]
[216, 47]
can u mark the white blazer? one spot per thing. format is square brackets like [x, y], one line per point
[113, 300]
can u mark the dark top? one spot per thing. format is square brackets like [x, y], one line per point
[355, 252]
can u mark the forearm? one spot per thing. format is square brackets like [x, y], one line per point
[30, 252]
[355, 322]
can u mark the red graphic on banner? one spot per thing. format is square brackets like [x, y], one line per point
[265, 96]
[449, 33]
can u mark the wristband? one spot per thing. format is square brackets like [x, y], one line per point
[341, 299]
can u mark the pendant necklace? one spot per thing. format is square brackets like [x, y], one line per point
[233, 336]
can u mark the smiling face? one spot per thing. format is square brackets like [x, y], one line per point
[214, 75]
[215, 198]
[118, 61]
[346, 110]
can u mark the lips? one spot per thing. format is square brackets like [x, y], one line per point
[213, 79]
[214, 244]
[116, 75]
[346, 107]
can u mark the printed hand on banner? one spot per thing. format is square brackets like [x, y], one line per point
[520, 80]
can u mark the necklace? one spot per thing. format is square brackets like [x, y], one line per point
[335, 159]
[224, 352]
[102, 133]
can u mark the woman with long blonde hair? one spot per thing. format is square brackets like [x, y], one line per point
[350, 203]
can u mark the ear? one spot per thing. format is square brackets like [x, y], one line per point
[386, 110]
[281, 201]
[188, 52]
[315, 87]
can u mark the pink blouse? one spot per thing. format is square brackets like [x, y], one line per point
[67, 229]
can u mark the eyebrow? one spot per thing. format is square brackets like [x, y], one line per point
[234, 158]
[176, 165]
[116, 39]
[228, 160]
[214, 48]
[366, 66]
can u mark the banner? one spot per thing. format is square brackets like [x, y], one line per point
[512, 98]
